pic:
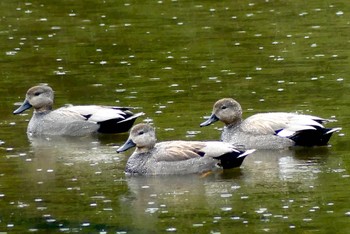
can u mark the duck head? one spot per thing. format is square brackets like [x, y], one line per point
[39, 97]
[227, 110]
[142, 136]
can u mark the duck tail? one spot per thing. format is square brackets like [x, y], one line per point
[233, 159]
[317, 137]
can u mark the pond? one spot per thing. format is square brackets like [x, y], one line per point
[173, 59]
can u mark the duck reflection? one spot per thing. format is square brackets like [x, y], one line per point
[69, 157]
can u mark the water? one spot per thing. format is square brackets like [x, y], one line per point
[173, 60]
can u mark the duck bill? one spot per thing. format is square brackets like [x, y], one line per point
[127, 145]
[212, 119]
[25, 106]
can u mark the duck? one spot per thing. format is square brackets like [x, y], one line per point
[178, 156]
[270, 130]
[70, 120]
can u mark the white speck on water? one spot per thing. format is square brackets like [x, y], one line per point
[197, 225]
[85, 224]
[11, 53]
[261, 210]
[151, 210]
[171, 229]
[226, 208]
[193, 132]
[339, 13]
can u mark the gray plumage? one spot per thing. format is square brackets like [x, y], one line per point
[274, 130]
[72, 120]
[177, 157]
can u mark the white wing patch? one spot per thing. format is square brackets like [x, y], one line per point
[97, 113]
[286, 124]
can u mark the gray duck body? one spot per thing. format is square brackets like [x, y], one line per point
[272, 130]
[72, 120]
[177, 157]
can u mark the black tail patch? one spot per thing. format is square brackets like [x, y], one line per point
[116, 126]
[316, 137]
[230, 160]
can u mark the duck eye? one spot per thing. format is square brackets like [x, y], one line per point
[223, 107]
[36, 93]
[141, 133]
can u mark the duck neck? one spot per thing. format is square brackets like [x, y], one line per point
[143, 149]
[43, 109]
[234, 123]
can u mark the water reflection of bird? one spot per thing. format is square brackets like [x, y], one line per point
[275, 130]
[72, 120]
[177, 157]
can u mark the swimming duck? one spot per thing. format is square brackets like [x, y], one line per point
[177, 157]
[72, 120]
[275, 130]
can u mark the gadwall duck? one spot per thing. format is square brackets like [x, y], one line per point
[177, 157]
[275, 130]
[72, 120]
